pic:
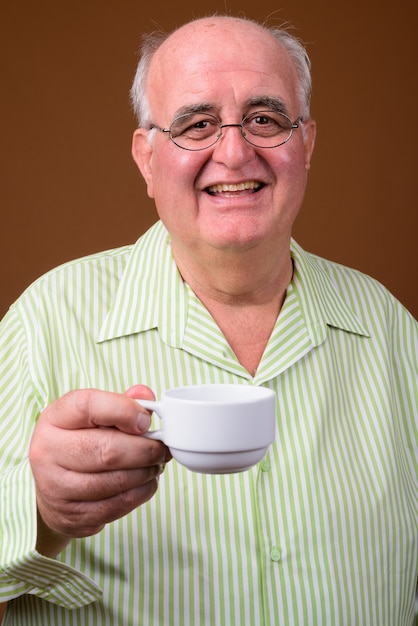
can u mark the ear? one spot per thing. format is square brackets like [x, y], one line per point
[142, 153]
[309, 135]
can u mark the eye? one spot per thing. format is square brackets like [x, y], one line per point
[267, 123]
[195, 126]
[202, 124]
[261, 120]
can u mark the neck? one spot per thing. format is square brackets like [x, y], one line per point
[235, 278]
[243, 295]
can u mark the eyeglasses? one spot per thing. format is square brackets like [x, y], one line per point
[198, 131]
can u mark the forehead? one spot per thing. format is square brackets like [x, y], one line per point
[220, 61]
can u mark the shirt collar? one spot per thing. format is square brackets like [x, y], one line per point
[322, 302]
[152, 294]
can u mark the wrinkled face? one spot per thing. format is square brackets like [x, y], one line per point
[232, 195]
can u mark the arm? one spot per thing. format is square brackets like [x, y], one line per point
[84, 473]
[30, 539]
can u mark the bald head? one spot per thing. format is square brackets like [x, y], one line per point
[194, 40]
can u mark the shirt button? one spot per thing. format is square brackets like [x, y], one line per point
[275, 554]
[265, 465]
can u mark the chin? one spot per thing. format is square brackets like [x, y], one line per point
[236, 242]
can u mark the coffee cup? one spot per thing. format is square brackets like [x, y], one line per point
[215, 429]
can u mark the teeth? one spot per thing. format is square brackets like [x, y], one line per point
[251, 184]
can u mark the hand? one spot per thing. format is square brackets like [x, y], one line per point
[90, 464]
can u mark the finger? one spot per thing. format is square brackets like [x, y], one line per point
[86, 518]
[91, 408]
[97, 450]
[140, 391]
[90, 516]
[97, 486]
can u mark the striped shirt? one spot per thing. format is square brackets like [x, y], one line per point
[323, 531]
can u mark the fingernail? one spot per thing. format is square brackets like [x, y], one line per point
[143, 421]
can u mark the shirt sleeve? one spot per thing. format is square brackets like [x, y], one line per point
[405, 380]
[22, 569]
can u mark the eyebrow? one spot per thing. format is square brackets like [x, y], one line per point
[272, 103]
[202, 107]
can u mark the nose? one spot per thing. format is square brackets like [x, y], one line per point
[231, 148]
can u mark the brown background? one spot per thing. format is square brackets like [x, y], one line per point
[69, 186]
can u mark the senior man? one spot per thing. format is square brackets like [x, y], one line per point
[324, 530]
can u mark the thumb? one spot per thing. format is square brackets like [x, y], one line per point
[93, 408]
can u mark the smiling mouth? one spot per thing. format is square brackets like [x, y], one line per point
[237, 189]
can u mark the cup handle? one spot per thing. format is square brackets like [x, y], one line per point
[154, 434]
[153, 405]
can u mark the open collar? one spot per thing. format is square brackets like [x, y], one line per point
[152, 294]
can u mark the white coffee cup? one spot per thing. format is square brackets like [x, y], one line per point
[216, 429]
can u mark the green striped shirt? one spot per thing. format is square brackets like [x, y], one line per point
[322, 532]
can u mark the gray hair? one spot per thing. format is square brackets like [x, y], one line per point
[152, 41]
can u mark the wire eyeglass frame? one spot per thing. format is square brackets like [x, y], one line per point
[213, 138]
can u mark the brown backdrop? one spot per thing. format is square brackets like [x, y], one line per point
[69, 187]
